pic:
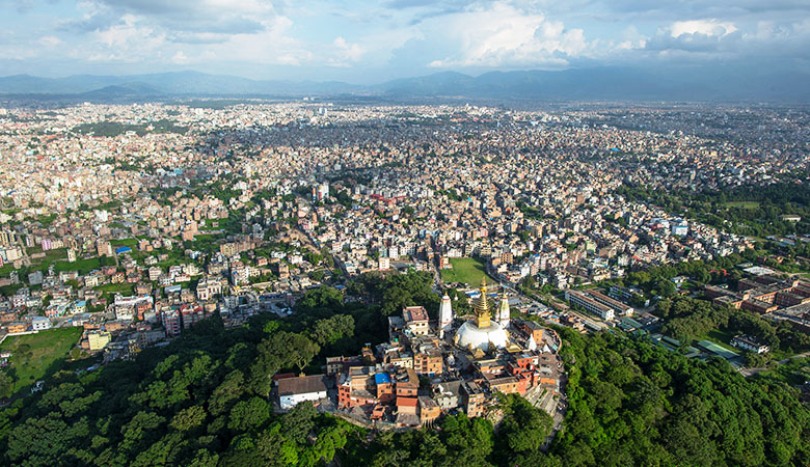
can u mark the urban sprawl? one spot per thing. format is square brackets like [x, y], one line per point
[136, 222]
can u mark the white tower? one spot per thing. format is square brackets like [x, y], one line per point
[532, 345]
[445, 315]
[504, 314]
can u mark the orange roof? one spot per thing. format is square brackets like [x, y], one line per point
[407, 401]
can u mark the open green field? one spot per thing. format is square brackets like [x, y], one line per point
[723, 338]
[59, 260]
[468, 270]
[35, 355]
[130, 242]
[84, 266]
[110, 290]
[742, 204]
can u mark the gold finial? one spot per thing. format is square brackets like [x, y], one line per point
[482, 315]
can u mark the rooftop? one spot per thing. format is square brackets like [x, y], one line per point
[301, 385]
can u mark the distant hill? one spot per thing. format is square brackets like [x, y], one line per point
[583, 84]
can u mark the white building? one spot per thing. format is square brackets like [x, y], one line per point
[416, 320]
[40, 323]
[590, 305]
[679, 227]
[504, 313]
[445, 315]
[292, 391]
[750, 344]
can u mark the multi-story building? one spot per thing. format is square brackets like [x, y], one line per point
[428, 362]
[416, 320]
[589, 304]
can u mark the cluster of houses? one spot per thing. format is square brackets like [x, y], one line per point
[425, 370]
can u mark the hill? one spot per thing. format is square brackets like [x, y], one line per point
[203, 400]
[730, 84]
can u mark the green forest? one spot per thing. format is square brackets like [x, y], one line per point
[745, 210]
[112, 129]
[203, 400]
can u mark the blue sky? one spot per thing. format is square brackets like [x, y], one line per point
[365, 41]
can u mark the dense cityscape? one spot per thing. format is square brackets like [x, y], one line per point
[392, 266]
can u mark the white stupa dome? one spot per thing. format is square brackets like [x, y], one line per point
[469, 336]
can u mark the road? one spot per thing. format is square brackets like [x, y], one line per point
[753, 371]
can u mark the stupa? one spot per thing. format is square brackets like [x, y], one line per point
[482, 333]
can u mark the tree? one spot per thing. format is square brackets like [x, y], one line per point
[45, 441]
[412, 288]
[299, 422]
[6, 384]
[321, 302]
[313, 258]
[229, 391]
[524, 428]
[281, 350]
[330, 330]
[189, 418]
[301, 350]
[249, 415]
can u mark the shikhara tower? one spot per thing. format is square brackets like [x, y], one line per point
[445, 315]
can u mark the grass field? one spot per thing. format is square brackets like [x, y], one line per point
[110, 290]
[130, 242]
[468, 270]
[84, 266]
[721, 337]
[742, 204]
[33, 355]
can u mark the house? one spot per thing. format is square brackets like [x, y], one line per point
[750, 344]
[429, 411]
[447, 394]
[40, 323]
[16, 328]
[416, 320]
[292, 391]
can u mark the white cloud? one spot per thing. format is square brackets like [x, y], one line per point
[273, 45]
[706, 27]
[49, 41]
[501, 35]
[128, 41]
[346, 52]
[180, 58]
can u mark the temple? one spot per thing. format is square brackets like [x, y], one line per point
[481, 332]
[431, 368]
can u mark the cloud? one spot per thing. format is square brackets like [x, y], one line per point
[128, 41]
[356, 39]
[49, 41]
[706, 27]
[346, 53]
[177, 16]
[180, 58]
[501, 35]
[273, 45]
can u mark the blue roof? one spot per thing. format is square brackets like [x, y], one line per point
[382, 378]
[123, 249]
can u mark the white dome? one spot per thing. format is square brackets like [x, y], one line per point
[469, 336]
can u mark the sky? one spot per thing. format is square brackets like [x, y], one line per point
[366, 41]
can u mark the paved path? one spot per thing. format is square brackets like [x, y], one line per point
[753, 371]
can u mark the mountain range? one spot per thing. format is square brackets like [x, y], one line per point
[590, 84]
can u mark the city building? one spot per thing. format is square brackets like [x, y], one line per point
[292, 391]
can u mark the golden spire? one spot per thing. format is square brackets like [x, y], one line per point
[482, 315]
